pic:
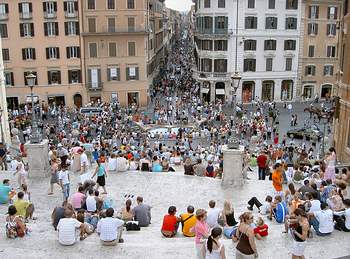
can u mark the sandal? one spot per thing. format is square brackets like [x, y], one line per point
[50, 193]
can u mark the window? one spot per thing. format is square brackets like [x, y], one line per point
[6, 54]
[131, 24]
[311, 53]
[249, 65]
[50, 9]
[207, 24]
[331, 29]
[25, 10]
[206, 3]
[207, 45]
[220, 65]
[26, 73]
[4, 10]
[289, 45]
[251, 3]
[51, 29]
[3, 30]
[331, 51]
[328, 70]
[111, 24]
[310, 70]
[292, 4]
[70, 8]
[272, 4]
[113, 74]
[91, 4]
[312, 29]
[131, 4]
[332, 13]
[271, 23]
[270, 45]
[250, 45]
[131, 49]
[74, 76]
[54, 77]
[26, 29]
[94, 78]
[289, 64]
[93, 49]
[221, 24]
[28, 54]
[52, 53]
[73, 52]
[206, 65]
[251, 22]
[221, 3]
[291, 23]
[269, 64]
[111, 4]
[220, 45]
[71, 28]
[92, 24]
[112, 49]
[132, 73]
[9, 80]
[314, 11]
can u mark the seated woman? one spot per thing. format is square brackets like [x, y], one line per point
[335, 201]
[165, 165]
[145, 163]
[177, 158]
[126, 213]
[133, 164]
[170, 223]
[15, 226]
[229, 221]
[156, 167]
[188, 167]
[87, 228]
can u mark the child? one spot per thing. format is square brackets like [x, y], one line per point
[261, 229]
[63, 177]
[22, 173]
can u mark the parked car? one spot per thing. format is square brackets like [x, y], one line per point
[312, 132]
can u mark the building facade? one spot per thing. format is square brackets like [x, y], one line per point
[320, 51]
[342, 90]
[268, 38]
[81, 50]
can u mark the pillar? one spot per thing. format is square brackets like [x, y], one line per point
[38, 159]
[277, 90]
[212, 91]
[233, 167]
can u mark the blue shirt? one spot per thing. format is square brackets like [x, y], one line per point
[157, 168]
[281, 212]
[4, 193]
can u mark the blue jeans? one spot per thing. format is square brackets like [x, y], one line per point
[316, 225]
[93, 220]
[65, 191]
[230, 231]
[261, 172]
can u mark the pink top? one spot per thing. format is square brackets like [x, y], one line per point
[77, 199]
[200, 229]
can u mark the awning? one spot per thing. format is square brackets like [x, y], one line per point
[220, 91]
[205, 90]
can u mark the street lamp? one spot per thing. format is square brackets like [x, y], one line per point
[233, 141]
[35, 136]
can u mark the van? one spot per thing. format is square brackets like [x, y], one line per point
[91, 110]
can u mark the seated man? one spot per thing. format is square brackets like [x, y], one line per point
[110, 229]
[278, 210]
[170, 223]
[263, 208]
[213, 215]
[24, 208]
[142, 213]
[68, 228]
[188, 221]
[322, 221]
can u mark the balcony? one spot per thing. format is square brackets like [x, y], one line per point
[213, 33]
[4, 16]
[25, 16]
[50, 15]
[98, 86]
[106, 31]
[211, 75]
[71, 14]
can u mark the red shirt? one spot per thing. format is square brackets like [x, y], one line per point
[261, 160]
[261, 230]
[169, 222]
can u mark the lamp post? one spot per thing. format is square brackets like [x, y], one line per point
[233, 141]
[35, 137]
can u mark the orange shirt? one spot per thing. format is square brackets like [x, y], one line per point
[277, 180]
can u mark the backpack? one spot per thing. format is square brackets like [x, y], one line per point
[132, 226]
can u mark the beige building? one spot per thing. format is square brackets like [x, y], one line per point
[342, 121]
[319, 49]
[82, 50]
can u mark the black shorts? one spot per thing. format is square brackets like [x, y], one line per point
[101, 180]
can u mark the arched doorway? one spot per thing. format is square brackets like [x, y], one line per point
[78, 100]
[220, 91]
[248, 91]
[287, 90]
[326, 91]
[268, 89]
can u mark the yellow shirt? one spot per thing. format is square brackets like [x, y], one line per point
[21, 207]
[189, 223]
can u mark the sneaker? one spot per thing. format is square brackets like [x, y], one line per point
[121, 240]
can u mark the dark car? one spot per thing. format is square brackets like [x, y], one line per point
[312, 132]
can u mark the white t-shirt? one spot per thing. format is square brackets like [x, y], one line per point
[265, 208]
[122, 164]
[112, 164]
[84, 159]
[91, 203]
[325, 219]
[347, 218]
[212, 217]
[315, 206]
[64, 176]
[67, 231]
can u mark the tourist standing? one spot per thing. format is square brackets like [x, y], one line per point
[262, 164]
[101, 176]
[63, 177]
[300, 234]
[54, 174]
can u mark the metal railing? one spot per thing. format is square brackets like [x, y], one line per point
[24, 16]
[49, 15]
[4, 16]
[71, 15]
[94, 86]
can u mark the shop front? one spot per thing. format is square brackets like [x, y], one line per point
[287, 90]
[268, 88]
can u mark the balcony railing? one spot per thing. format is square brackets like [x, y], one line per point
[213, 32]
[50, 15]
[4, 16]
[210, 75]
[70, 14]
[105, 30]
[25, 16]
[95, 86]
